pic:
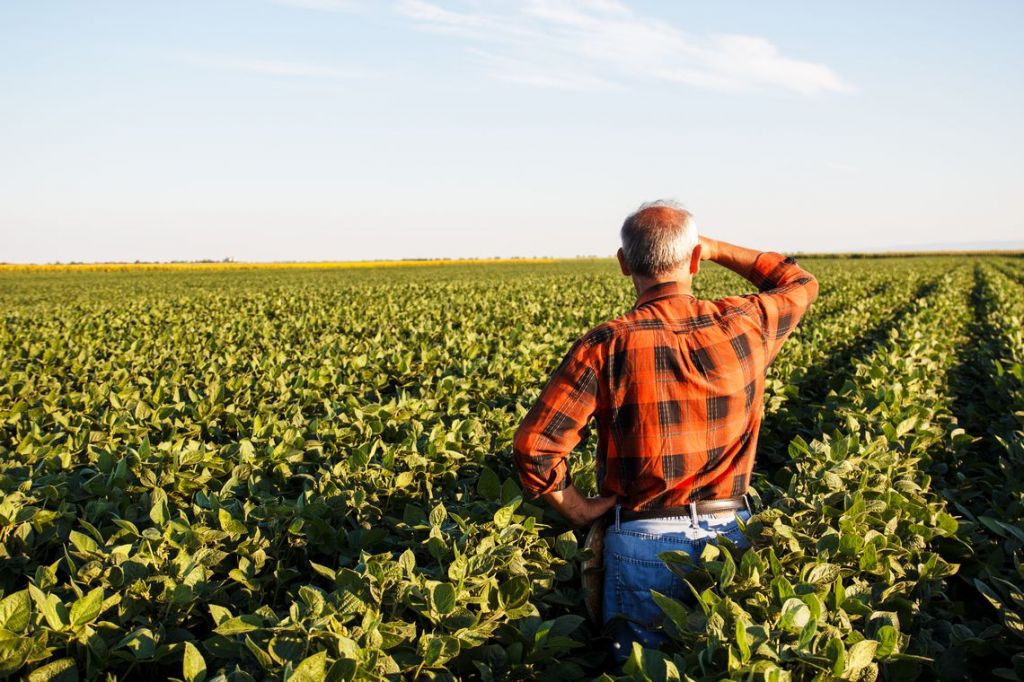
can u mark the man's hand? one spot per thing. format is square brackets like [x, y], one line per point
[707, 247]
[578, 510]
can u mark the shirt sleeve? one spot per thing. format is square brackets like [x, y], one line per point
[554, 425]
[785, 292]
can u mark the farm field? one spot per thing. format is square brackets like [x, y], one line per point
[306, 474]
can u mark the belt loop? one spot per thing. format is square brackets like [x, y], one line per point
[693, 514]
[617, 508]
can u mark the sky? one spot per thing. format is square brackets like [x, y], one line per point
[264, 130]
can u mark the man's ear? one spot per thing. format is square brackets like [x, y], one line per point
[621, 255]
[695, 260]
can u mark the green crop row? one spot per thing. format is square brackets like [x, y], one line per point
[984, 482]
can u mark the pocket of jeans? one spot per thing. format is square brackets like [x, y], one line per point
[634, 580]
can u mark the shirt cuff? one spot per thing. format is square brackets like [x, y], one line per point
[532, 493]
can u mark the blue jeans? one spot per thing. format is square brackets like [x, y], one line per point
[632, 569]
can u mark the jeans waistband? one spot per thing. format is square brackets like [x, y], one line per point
[683, 521]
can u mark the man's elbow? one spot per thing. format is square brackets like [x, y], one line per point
[812, 288]
[522, 449]
[521, 444]
[809, 283]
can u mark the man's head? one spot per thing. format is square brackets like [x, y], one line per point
[659, 243]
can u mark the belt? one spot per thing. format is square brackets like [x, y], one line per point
[692, 509]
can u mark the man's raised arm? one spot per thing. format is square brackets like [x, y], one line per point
[785, 290]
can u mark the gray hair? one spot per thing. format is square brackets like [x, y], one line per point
[658, 238]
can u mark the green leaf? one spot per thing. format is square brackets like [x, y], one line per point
[219, 613]
[407, 560]
[193, 665]
[488, 486]
[438, 515]
[61, 670]
[514, 592]
[311, 669]
[795, 614]
[888, 641]
[836, 654]
[14, 651]
[50, 606]
[442, 598]
[742, 641]
[16, 611]
[82, 542]
[861, 654]
[86, 609]
[565, 545]
[728, 572]
[947, 523]
[239, 625]
[230, 524]
[159, 514]
[672, 608]
[503, 516]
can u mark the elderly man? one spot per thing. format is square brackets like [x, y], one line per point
[676, 385]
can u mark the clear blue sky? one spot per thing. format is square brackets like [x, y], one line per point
[351, 129]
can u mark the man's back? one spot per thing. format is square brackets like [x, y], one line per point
[676, 387]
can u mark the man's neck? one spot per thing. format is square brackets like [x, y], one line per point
[642, 284]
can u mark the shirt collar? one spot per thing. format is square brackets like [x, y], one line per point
[661, 290]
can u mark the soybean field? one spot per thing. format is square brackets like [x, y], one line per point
[305, 474]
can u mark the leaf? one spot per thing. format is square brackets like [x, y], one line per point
[836, 654]
[674, 609]
[442, 598]
[438, 515]
[82, 542]
[947, 523]
[193, 665]
[61, 670]
[13, 652]
[861, 654]
[86, 609]
[795, 614]
[488, 486]
[326, 572]
[742, 642]
[51, 607]
[311, 669]
[219, 613]
[503, 516]
[888, 641]
[822, 573]
[229, 524]
[239, 625]
[514, 592]
[158, 512]
[16, 611]
[565, 545]
[407, 560]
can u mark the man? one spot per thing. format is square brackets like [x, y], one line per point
[676, 385]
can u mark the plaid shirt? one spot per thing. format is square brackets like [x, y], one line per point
[676, 385]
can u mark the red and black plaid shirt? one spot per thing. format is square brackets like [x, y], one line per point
[676, 386]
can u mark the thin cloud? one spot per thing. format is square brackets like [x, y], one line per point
[596, 44]
[272, 67]
[348, 6]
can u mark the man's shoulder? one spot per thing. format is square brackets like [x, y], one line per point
[704, 313]
[621, 326]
